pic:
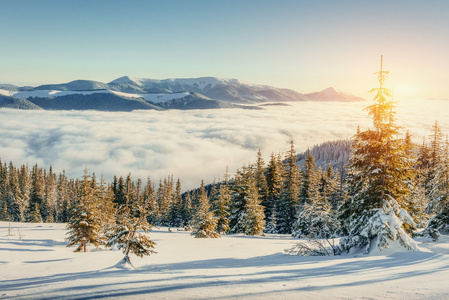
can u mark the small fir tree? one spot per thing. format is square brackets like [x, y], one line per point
[204, 223]
[247, 214]
[85, 224]
[222, 207]
[131, 232]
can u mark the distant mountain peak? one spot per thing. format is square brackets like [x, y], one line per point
[333, 94]
[126, 79]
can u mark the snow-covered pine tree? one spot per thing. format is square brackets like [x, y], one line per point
[274, 178]
[316, 218]
[131, 232]
[379, 179]
[247, 214]
[439, 193]
[289, 198]
[85, 224]
[14, 194]
[204, 222]
[4, 190]
[329, 186]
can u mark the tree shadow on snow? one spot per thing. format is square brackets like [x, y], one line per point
[175, 276]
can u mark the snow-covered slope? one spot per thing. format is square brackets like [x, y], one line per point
[36, 264]
[155, 98]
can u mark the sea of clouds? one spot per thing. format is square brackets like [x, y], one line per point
[191, 145]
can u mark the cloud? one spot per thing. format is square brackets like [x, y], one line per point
[191, 145]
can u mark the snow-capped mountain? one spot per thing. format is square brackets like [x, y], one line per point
[224, 89]
[332, 94]
[128, 93]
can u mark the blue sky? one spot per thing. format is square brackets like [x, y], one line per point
[302, 45]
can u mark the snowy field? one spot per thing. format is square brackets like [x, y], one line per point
[38, 265]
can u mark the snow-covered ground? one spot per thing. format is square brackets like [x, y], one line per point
[37, 265]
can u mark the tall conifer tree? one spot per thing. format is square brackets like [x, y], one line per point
[379, 178]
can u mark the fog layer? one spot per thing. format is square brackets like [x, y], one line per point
[191, 145]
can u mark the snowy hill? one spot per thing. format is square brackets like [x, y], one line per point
[77, 85]
[16, 103]
[36, 264]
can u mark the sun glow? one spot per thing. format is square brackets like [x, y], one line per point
[404, 91]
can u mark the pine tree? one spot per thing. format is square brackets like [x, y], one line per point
[104, 204]
[288, 202]
[222, 207]
[131, 232]
[150, 202]
[186, 211]
[63, 198]
[379, 178]
[261, 180]
[85, 223]
[37, 194]
[204, 222]
[274, 188]
[50, 194]
[309, 180]
[25, 187]
[247, 214]
[439, 193]
[14, 195]
[174, 214]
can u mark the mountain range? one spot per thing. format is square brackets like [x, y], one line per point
[129, 93]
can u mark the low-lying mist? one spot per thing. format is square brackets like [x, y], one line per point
[191, 145]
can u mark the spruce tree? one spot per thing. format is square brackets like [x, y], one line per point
[274, 180]
[222, 207]
[150, 202]
[85, 222]
[37, 194]
[131, 232]
[175, 210]
[379, 177]
[25, 186]
[261, 180]
[439, 193]
[247, 213]
[289, 199]
[204, 222]
[186, 211]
